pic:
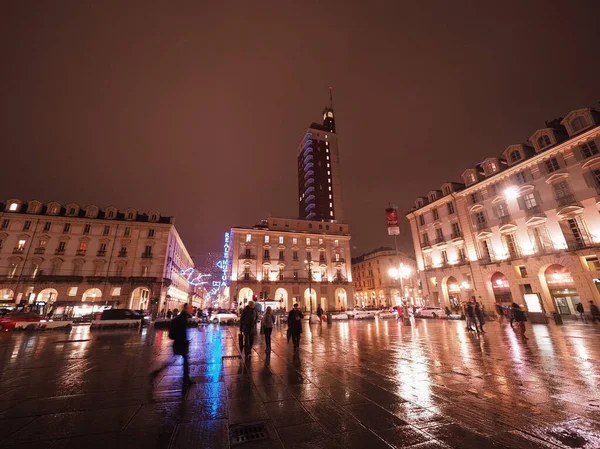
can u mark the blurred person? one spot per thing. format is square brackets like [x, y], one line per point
[248, 322]
[295, 325]
[520, 317]
[266, 327]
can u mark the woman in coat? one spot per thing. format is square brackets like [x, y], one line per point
[266, 326]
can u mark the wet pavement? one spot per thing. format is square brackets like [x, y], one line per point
[353, 384]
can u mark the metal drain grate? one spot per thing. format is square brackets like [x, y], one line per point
[231, 357]
[248, 433]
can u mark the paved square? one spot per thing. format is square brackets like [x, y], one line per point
[353, 384]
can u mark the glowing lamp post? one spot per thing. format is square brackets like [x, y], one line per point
[309, 264]
[403, 272]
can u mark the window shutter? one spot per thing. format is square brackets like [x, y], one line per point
[495, 211]
[578, 153]
[527, 175]
[543, 168]
[589, 178]
[561, 160]
[538, 199]
[521, 202]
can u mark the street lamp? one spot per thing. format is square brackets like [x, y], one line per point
[402, 272]
[309, 263]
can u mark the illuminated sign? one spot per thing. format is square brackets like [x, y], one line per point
[223, 265]
[194, 277]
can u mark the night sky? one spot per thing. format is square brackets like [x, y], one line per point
[196, 108]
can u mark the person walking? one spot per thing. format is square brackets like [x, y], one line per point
[248, 322]
[595, 312]
[320, 314]
[295, 325]
[266, 327]
[519, 316]
[581, 311]
[181, 344]
[169, 314]
[470, 314]
[479, 316]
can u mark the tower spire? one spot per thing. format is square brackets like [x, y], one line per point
[330, 98]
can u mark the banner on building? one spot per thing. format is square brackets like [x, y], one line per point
[391, 214]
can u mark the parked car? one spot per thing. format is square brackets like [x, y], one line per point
[4, 311]
[431, 312]
[145, 314]
[224, 316]
[9, 320]
[120, 314]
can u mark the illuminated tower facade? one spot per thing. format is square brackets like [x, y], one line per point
[319, 184]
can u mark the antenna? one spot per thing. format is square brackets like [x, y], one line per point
[330, 98]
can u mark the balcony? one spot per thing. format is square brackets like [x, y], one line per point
[122, 254]
[482, 226]
[39, 251]
[533, 211]
[95, 279]
[100, 253]
[18, 250]
[146, 255]
[81, 252]
[440, 240]
[247, 256]
[456, 235]
[505, 219]
[59, 252]
[425, 244]
[339, 280]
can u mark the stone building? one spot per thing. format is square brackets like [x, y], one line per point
[380, 276]
[281, 257]
[521, 227]
[79, 260]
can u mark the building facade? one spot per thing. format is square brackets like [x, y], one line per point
[376, 286]
[290, 261]
[522, 227]
[319, 184]
[78, 260]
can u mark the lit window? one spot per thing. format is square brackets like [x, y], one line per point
[308, 241]
[330, 204]
[328, 173]
[329, 180]
[150, 232]
[13, 207]
[21, 244]
[337, 257]
[329, 188]
[116, 291]
[331, 214]
[330, 196]
[552, 165]
[83, 246]
[281, 240]
[248, 237]
[72, 291]
[327, 150]
[336, 243]
[267, 238]
[294, 241]
[327, 157]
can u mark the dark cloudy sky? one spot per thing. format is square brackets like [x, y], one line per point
[196, 107]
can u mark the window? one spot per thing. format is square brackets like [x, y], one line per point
[425, 240]
[21, 244]
[295, 255]
[461, 255]
[480, 218]
[147, 249]
[522, 271]
[42, 244]
[106, 230]
[511, 245]
[56, 264]
[248, 237]
[561, 189]
[578, 123]
[27, 225]
[246, 275]
[439, 234]
[502, 210]
[320, 242]
[421, 220]
[592, 263]
[444, 256]
[267, 239]
[455, 230]
[336, 243]
[66, 228]
[82, 247]
[151, 232]
[130, 215]
[281, 255]
[436, 216]
[102, 249]
[127, 232]
[337, 257]
[529, 200]
[47, 226]
[87, 228]
[596, 177]
[154, 217]
[5, 224]
[543, 141]
[307, 241]
[294, 241]
[72, 211]
[471, 178]
[61, 246]
[450, 208]
[515, 156]
[144, 271]
[110, 214]
[267, 254]
[295, 275]
[116, 291]
[248, 253]
[474, 198]
[281, 240]
[520, 178]
[123, 250]
[72, 291]
[589, 149]
[493, 189]
[552, 165]
[13, 207]
[492, 167]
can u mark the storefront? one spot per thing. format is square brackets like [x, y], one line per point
[562, 289]
[501, 289]
[454, 298]
[78, 309]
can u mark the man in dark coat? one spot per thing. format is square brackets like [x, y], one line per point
[248, 322]
[181, 344]
[295, 325]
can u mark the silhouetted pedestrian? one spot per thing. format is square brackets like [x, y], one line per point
[320, 314]
[295, 324]
[266, 327]
[181, 344]
[581, 311]
[169, 314]
[248, 322]
[479, 315]
[595, 312]
[520, 318]
[470, 314]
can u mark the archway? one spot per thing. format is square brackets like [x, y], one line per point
[6, 295]
[562, 289]
[341, 299]
[501, 288]
[382, 299]
[44, 300]
[139, 299]
[244, 295]
[281, 296]
[310, 298]
[91, 294]
[453, 289]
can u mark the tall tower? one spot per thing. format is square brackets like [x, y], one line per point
[319, 185]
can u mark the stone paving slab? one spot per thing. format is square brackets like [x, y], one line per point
[351, 385]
